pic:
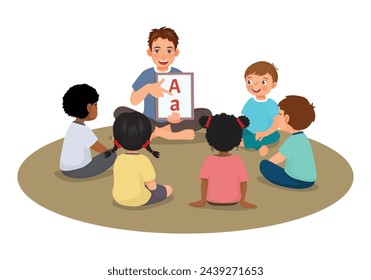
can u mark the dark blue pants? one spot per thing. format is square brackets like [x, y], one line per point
[277, 175]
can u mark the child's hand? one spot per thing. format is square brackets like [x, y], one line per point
[156, 90]
[108, 153]
[246, 204]
[199, 203]
[260, 135]
[174, 118]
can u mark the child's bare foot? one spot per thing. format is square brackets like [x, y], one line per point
[241, 144]
[169, 190]
[199, 203]
[246, 204]
[263, 151]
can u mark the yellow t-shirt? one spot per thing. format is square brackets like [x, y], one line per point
[130, 172]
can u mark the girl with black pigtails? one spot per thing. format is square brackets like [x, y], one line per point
[223, 175]
[133, 174]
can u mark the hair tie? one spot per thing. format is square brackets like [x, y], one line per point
[208, 121]
[146, 144]
[240, 123]
[117, 144]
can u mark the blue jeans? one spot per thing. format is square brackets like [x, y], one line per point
[249, 140]
[277, 175]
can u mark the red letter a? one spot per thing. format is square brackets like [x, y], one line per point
[175, 105]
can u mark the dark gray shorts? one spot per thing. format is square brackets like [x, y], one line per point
[157, 195]
[97, 165]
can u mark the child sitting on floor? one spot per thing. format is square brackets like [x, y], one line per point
[133, 174]
[80, 101]
[295, 114]
[261, 77]
[223, 176]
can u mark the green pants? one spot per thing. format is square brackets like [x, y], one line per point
[249, 140]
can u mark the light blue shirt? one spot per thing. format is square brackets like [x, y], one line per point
[299, 157]
[149, 77]
[260, 114]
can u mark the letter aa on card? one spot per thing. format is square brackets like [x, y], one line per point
[181, 86]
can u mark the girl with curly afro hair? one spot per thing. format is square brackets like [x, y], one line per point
[223, 175]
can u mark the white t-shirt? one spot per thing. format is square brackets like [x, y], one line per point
[76, 147]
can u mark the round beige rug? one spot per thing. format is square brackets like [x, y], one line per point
[90, 200]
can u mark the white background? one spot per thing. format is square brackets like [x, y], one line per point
[321, 49]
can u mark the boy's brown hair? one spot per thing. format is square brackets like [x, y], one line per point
[300, 111]
[164, 33]
[262, 67]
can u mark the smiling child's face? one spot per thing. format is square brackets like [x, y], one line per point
[163, 53]
[259, 86]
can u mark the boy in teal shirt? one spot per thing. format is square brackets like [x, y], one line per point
[261, 77]
[295, 114]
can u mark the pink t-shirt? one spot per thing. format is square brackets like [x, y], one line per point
[224, 176]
